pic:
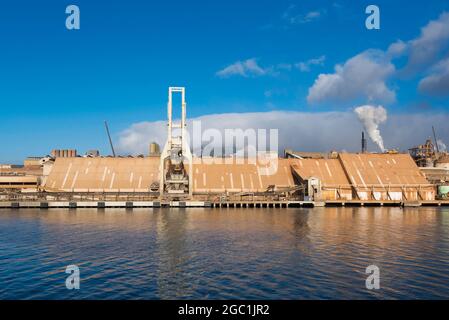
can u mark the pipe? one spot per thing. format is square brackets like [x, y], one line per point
[435, 138]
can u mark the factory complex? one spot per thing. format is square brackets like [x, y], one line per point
[174, 177]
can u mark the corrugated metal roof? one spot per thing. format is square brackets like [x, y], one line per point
[367, 169]
[235, 175]
[308, 155]
[98, 174]
[137, 174]
[231, 174]
[329, 171]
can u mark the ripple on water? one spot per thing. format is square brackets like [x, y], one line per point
[317, 253]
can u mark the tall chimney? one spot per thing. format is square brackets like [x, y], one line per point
[363, 142]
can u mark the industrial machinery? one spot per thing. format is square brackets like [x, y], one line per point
[109, 137]
[428, 154]
[443, 192]
[176, 158]
[424, 155]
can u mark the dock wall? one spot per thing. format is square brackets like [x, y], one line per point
[207, 204]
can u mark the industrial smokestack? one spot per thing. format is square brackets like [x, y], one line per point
[363, 142]
[435, 140]
[371, 117]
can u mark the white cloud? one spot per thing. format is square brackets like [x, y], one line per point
[436, 83]
[247, 68]
[397, 49]
[305, 18]
[433, 40]
[364, 76]
[275, 92]
[292, 16]
[137, 138]
[305, 66]
[322, 131]
[361, 77]
[250, 68]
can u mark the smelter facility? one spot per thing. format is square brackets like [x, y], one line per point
[175, 177]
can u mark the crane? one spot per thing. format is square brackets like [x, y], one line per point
[109, 136]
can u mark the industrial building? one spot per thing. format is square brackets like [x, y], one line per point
[143, 174]
[25, 178]
[434, 164]
[367, 177]
[362, 178]
[175, 175]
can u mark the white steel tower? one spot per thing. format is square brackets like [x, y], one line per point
[176, 180]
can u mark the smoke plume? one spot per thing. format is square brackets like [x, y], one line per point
[441, 145]
[371, 117]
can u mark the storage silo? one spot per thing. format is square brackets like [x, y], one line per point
[154, 150]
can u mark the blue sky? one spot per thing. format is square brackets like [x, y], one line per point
[58, 85]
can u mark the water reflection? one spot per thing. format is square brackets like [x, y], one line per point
[225, 253]
[173, 254]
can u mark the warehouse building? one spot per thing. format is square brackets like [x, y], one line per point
[367, 177]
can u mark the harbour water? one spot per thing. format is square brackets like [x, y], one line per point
[295, 253]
